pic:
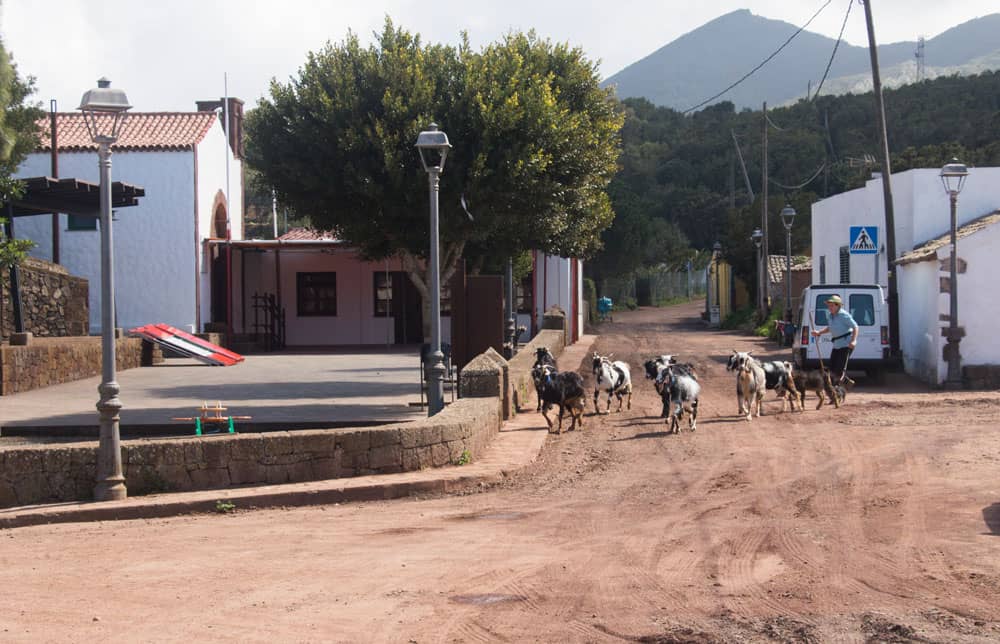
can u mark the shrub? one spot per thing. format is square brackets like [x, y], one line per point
[767, 328]
[590, 295]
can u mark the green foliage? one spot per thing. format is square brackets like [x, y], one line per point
[682, 169]
[18, 119]
[671, 301]
[767, 328]
[627, 303]
[739, 319]
[224, 507]
[464, 458]
[535, 144]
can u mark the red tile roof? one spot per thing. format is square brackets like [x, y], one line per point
[307, 234]
[141, 131]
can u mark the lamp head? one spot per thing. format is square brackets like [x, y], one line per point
[788, 216]
[433, 147]
[953, 176]
[757, 236]
[104, 111]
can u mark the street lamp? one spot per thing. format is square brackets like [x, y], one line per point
[103, 111]
[757, 236]
[788, 218]
[953, 177]
[433, 147]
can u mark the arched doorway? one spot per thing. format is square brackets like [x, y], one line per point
[219, 293]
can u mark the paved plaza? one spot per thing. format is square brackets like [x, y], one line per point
[288, 388]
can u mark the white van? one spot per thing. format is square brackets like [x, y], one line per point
[866, 304]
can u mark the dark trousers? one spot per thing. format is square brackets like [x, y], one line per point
[838, 362]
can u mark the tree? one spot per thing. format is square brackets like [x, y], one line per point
[18, 136]
[535, 145]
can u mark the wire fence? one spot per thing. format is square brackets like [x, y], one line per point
[654, 288]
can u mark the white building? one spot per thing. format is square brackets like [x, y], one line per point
[922, 222]
[163, 270]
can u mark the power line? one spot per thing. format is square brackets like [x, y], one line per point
[840, 37]
[764, 62]
[771, 123]
[801, 185]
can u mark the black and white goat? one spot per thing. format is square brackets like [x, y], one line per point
[564, 389]
[543, 357]
[656, 365]
[614, 378]
[779, 376]
[751, 383]
[681, 390]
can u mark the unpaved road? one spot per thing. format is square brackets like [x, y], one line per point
[876, 522]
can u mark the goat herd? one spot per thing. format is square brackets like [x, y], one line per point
[677, 384]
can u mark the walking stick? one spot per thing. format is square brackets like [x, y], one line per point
[826, 374]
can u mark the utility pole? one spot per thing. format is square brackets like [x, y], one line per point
[766, 254]
[890, 219]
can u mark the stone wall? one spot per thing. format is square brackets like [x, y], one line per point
[31, 474]
[522, 387]
[51, 361]
[53, 302]
[986, 376]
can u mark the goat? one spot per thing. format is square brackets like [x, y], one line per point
[655, 366]
[560, 388]
[809, 380]
[751, 383]
[779, 376]
[677, 369]
[615, 378]
[679, 389]
[543, 357]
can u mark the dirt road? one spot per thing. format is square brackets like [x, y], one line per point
[876, 522]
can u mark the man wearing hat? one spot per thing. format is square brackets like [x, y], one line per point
[844, 330]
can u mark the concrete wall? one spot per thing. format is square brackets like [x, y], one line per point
[553, 287]
[921, 212]
[211, 185]
[355, 322]
[154, 242]
[919, 338]
[53, 302]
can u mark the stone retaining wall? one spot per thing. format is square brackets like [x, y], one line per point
[491, 389]
[53, 302]
[33, 474]
[984, 376]
[51, 361]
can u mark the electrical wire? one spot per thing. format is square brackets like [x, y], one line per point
[801, 185]
[840, 38]
[764, 62]
[767, 117]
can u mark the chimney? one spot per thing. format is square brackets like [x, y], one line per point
[235, 126]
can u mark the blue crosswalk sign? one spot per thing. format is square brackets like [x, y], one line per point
[864, 240]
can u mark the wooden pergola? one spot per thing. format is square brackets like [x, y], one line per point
[49, 196]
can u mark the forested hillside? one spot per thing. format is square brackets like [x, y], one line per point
[680, 187]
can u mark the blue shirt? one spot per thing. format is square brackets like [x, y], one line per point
[842, 324]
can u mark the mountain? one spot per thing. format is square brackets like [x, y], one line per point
[703, 62]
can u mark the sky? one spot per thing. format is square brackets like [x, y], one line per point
[167, 54]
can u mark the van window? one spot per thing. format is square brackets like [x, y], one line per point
[862, 307]
[821, 313]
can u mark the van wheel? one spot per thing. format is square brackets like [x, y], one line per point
[876, 376]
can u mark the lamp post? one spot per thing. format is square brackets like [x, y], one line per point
[757, 236]
[104, 113]
[510, 329]
[953, 177]
[433, 147]
[788, 218]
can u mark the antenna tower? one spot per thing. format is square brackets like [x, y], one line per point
[921, 71]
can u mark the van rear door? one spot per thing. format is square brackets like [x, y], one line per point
[863, 306]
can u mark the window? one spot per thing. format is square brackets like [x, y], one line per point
[822, 269]
[862, 307]
[820, 311]
[845, 265]
[383, 294]
[80, 222]
[316, 294]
